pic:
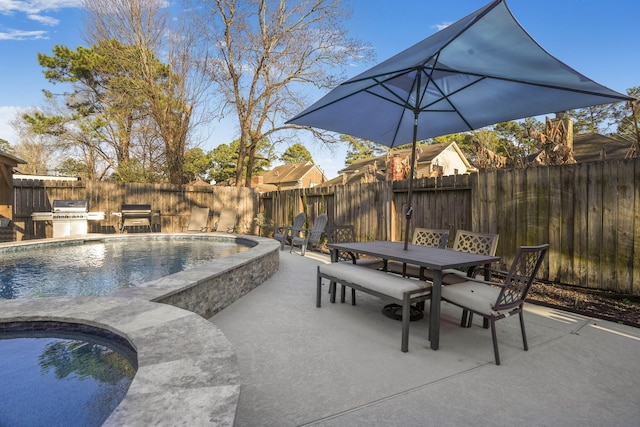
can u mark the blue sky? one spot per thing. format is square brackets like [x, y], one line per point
[599, 39]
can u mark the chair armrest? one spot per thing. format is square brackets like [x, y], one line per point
[305, 231]
[282, 229]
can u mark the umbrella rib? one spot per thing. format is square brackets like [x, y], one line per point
[376, 82]
[521, 81]
[446, 98]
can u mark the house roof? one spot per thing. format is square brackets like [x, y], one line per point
[288, 173]
[592, 147]
[374, 169]
[11, 160]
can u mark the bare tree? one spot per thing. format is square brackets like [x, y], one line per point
[31, 149]
[264, 52]
[165, 76]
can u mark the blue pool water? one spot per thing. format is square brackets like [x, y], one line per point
[102, 267]
[69, 379]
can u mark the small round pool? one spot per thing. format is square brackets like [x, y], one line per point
[104, 266]
[54, 375]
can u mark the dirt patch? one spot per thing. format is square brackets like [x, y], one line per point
[601, 305]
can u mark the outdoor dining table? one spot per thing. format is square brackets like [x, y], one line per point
[432, 258]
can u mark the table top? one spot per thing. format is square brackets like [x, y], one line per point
[424, 256]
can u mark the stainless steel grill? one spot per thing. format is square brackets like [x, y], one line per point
[69, 217]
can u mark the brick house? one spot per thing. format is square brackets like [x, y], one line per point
[432, 160]
[289, 176]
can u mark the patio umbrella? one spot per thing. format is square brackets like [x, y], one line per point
[483, 69]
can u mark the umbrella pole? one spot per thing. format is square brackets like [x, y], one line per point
[411, 173]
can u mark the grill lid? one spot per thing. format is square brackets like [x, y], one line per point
[70, 205]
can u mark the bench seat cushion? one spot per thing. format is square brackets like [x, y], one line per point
[378, 281]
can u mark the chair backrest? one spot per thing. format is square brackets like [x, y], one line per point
[520, 276]
[430, 237]
[340, 234]
[319, 224]
[198, 219]
[298, 224]
[227, 221]
[475, 243]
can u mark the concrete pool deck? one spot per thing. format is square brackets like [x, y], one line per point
[341, 365]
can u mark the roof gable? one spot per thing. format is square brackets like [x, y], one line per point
[592, 147]
[291, 172]
[374, 169]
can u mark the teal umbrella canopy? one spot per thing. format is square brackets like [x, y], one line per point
[481, 70]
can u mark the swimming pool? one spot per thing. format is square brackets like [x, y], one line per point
[178, 353]
[56, 377]
[102, 267]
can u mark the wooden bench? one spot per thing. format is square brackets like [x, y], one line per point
[400, 290]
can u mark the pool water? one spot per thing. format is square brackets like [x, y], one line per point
[54, 380]
[102, 267]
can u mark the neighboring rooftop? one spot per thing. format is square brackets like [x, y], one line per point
[432, 160]
[591, 147]
[289, 176]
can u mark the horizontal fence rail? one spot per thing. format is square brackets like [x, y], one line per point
[589, 213]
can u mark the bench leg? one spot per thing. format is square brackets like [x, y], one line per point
[343, 295]
[332, 291]
[406, 314]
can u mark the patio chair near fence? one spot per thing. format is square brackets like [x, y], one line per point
[227, 221]
[284, 233]
[422, 237]
[312, 236]
[495, 300]
[198, 220]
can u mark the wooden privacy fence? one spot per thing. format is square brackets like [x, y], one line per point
[589, 213]
[174, 202]
[377, 210]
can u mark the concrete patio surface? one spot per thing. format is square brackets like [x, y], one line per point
[341, 365]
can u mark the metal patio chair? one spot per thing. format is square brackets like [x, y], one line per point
[422, 237]
[310, 237]
[198, 219]
[284, 233]
[495, 300]
[227, 221]
[470, 242]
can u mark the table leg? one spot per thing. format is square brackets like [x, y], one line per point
[434, 311]
[332, 285]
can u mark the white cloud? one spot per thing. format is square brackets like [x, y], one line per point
[35, 6]
[7, 115]
[46, 20]
[37, 11]
[23, 35]
[34, 10]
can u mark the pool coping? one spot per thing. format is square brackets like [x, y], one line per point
[183, 378]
